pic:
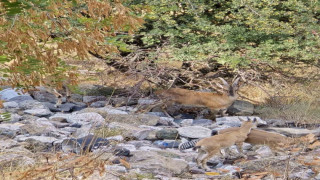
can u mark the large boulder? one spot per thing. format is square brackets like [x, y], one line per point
[241, 108]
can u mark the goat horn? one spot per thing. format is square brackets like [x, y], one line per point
[224, 82]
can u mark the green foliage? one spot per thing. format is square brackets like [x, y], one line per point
[237, 33]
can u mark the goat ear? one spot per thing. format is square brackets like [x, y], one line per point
[235, 82]
[225, 83]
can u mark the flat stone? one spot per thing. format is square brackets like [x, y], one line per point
[90, 99]
[9, 93]
[98, 104]
[168, 133]
[60, 117]
[38, 112]
[194, 132]
[10, 130]
[31, 104]
[86, 118]
[113, 110]
[10, 104]
[201, 122]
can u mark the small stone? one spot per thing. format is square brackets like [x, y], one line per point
[167, 134]
[98, 104]
[86, 118]
[60, 117]
[31, 104]
[264, 151]
[194, 132]
[90, 99]
[116, 168]
[38, 112]
[186, 122]
[202, 122]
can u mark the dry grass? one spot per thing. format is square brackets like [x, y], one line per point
[58, 166]
[292, 102]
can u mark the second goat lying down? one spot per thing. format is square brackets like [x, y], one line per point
[210, 146]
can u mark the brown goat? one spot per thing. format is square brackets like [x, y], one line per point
[214, 101]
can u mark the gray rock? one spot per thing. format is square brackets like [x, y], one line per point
[58, 124]
[186, 122]
[42, 139]
[146, 101]
[166, 144]
[38, 112]
[234, 121]
[241, 108]
[98, 104]
[85, 130]
[60, 117]
[152, 162]
[9, 93]
[31, 104]
[165, 121]
[292, 132]
[66, 107]
[123, 101]
[8, 143]
[90, 99]
[264, 151]
[303, 174]
[317, 177]
[10, 104]
[202, 122]
[16, 117]
[39, 127]
[194, 132]
[16, 156]
[21, 98]
[10, 130]
[130, 130]
[136, 120]
[167, 133]
[115, 138]
[110, 110]
[116, 168]
[44, 96]
[86, 118]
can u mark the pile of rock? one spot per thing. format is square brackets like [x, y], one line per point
[148, 141]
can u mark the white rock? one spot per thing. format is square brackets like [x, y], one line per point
[38, 112]
[11, 104]
[194, 132]
[86, 118]
[264, 151]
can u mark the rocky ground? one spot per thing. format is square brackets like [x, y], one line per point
[34, 133]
